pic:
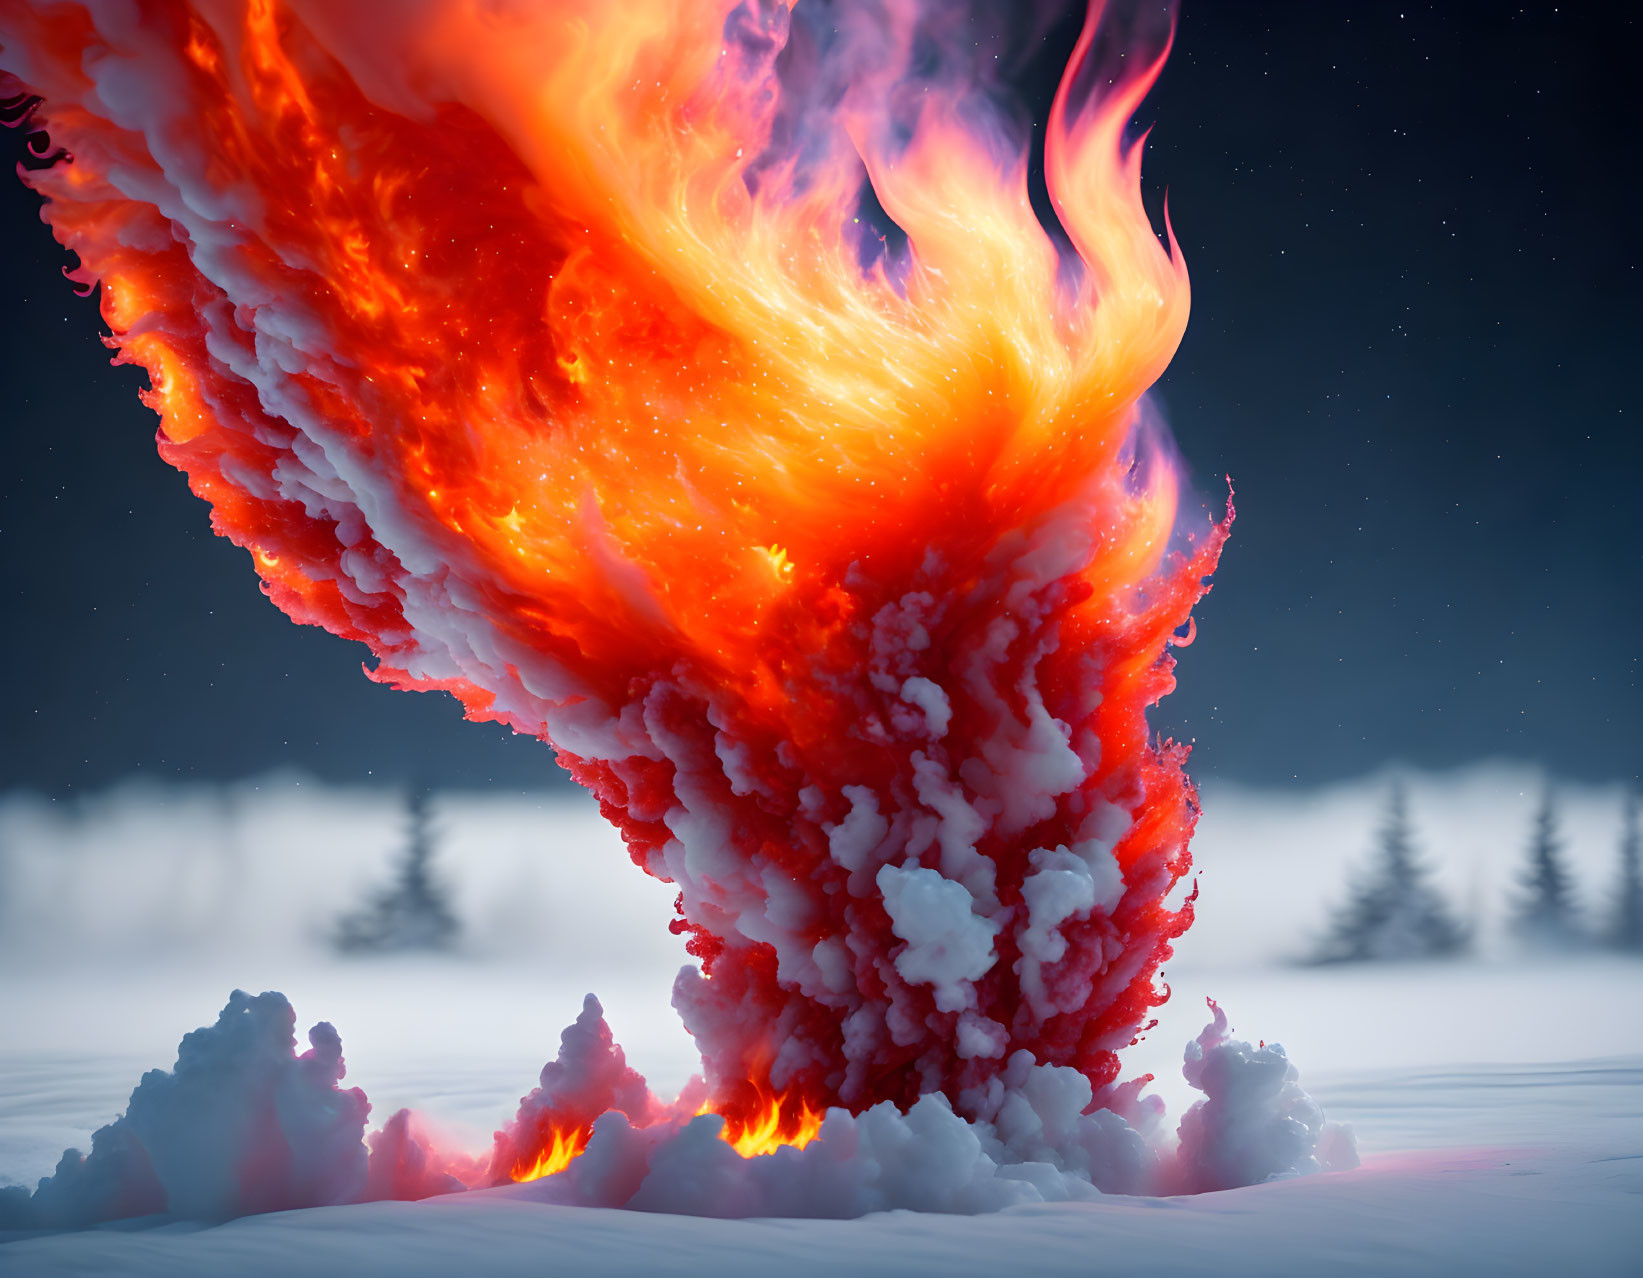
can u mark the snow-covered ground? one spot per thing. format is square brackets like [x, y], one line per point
[1485, 1212]
[1498, 1101]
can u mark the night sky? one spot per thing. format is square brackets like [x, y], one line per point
[1414, 346]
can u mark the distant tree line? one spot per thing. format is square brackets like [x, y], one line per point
[1393, 909]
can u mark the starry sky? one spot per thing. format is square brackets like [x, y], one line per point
[1414, 347]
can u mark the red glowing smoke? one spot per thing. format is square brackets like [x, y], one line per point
[541, 348]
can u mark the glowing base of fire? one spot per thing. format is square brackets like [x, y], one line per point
[784, 1120]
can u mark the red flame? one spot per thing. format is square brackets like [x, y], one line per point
[535, 349]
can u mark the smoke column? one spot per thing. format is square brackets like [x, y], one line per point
[693, 386]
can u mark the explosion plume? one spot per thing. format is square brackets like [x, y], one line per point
[694, 387]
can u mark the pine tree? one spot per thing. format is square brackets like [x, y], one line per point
[1394, 911]
[412, 913]
[1546, 915]
[1628, 920]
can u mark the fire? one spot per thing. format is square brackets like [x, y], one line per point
[552, 352]
[781, 1120]
[778, 1120]
[554, 1156]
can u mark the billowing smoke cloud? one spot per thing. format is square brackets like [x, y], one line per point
[541, 350]
[243, 1123]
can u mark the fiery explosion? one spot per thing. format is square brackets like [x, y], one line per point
[693, 386]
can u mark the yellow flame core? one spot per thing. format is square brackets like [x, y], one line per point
[779, 561]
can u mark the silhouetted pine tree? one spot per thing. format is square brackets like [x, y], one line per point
[1394, 912]
[413, 913]
[1628, 914]
[1546, 913]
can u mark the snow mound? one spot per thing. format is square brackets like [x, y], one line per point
[241, 1124]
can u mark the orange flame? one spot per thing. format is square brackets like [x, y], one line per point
[778, 1120]
[781, 1120]
[554, 1157]
[785, 1119]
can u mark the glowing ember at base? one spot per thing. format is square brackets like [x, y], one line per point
[554, 353]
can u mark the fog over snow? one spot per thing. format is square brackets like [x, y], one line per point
[265, 868]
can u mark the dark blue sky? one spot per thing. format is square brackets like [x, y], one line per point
[1414, 346]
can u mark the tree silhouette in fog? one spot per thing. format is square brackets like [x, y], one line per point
[1545, 913]
[413, 912]
[1628, 916]
[1393, 911]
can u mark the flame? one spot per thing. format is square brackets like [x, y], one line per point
[651, 400]
[554, 1156]
[785, 1119]
[779, 1119]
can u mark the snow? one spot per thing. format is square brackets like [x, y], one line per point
[1498, 1100]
